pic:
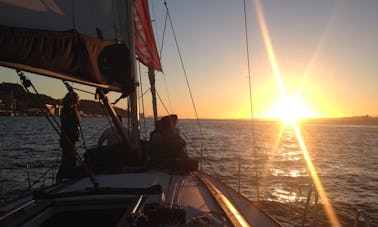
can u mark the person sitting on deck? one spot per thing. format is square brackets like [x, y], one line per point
[156, 130]
[166, 144]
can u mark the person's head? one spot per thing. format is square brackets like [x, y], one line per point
[71, 98]
[174, 119]
[165, 123]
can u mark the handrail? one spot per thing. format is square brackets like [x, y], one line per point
[230, 210]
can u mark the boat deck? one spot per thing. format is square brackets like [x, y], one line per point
[152, 197]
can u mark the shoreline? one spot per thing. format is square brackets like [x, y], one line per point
[360, 120]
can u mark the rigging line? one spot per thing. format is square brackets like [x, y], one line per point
[82, 137]
[94, 135]
[164, 29]
[167, 91]
[160, 54]
[27, 83]
[84, 91]
[251, 102]
[189, 141]
[185, 137]
[144, 93]
[162, 103]
[182, 62]
[151, 3]
[85, 166]
[42, 177]
[70, 89]
[185, 74]
[106, 114]
[182, 133]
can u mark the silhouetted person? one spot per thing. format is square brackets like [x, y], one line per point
[156, 130]
[174, 120]
[70, 130]
[166, 144]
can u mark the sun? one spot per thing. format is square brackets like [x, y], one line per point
[291, 109]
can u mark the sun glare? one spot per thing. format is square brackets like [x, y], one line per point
[290, 110]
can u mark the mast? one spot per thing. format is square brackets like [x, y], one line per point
[135, 130]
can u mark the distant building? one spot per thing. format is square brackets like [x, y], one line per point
[55, 110]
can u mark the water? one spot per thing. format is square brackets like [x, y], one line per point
[345, 158]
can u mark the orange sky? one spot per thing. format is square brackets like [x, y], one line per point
[325, 53]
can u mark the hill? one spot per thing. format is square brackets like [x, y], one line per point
[364, 119]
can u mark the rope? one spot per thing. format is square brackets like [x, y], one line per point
[192, 99]
[86, 167]
[94, 135]
[186, 77]
[144, 93]
[251, 103]
[162, 103]
[70, 89]
[88, 92]
[27, 83]
[189, 88]
[160, 54]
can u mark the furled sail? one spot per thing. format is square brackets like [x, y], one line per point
[86, 41]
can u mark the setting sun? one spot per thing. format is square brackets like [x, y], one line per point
[291, 109]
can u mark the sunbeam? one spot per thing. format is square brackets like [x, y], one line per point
[269, 48]
[318, 184]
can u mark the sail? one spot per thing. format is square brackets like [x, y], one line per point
[144, 39]
[86, 41]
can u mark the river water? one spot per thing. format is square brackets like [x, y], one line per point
[241, 153]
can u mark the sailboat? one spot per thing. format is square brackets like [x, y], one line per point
[97, 43]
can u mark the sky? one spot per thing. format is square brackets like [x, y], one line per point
[306, 58]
